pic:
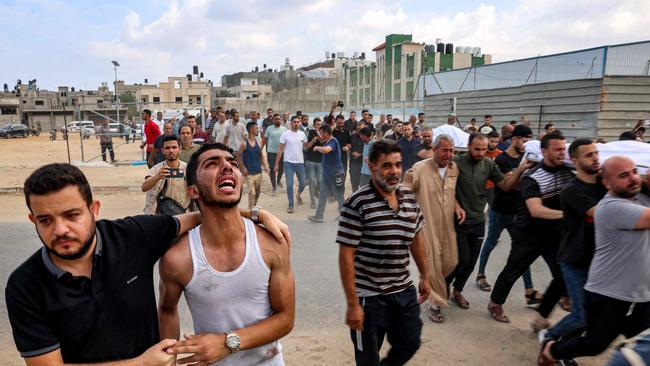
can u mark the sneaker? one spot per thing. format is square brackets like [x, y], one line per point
[568, 362]
[289, 209]
[542, 335]
[315, 219]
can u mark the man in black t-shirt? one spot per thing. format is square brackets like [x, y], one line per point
[313, 167]
[343, 136]
[356, 155]
[537, 230]
[87, 296]
[501, 214]
[578, 198]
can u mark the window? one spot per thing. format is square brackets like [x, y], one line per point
[8, 110]
[252, 82]
[179, 99]
[143, 100]
[198, 100]
[398, 71]
[100, 102]
[156, 100]
[63, 94]
[410, 73]
[39, 102]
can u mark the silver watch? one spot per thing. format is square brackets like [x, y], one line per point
[233, 342]
[255, 214]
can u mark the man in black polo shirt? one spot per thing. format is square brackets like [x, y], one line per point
[537, 230]
[379, 225]
[88, 295]
[343, 136]
[579, 199]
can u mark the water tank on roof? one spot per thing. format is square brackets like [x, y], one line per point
[355, 55]
[467, 49]
[363, 55]
[327, 55]
[189, 77]
[333, 55]
[340, 54]
[449, 48]
[430, 48]
[475, 50]
[478, 53]
[440, 48]
[195, 70]
[459, 49]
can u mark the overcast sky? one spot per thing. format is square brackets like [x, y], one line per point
[72, 42]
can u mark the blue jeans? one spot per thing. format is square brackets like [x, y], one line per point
[496, 224]
[314, 172]
[328, 188]
[641, 347]
[574, 279]
[289, 169]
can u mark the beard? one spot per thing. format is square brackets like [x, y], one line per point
[627, 192]
[382, 182]
[83, 250]
[209, 200]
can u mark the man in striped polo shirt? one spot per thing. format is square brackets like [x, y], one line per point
[379, 224]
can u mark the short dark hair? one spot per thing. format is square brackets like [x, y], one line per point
[382, 147]
[340, 116]
[250, 125]
[420, 114]
[364, 111]
[277, 114]
[326, 129]
[316, 119]
[575, 145]
[171, 137]
[366, 131]
[294, 117]
[269, 109]
[513, 122]
[493, 134]
[549, 125]
[551, 136]
[192, 165]
[627, 136]
[487, 116]
[147, 111]
[191, 117]
[52, 178]
[476, 136]
[183, 126]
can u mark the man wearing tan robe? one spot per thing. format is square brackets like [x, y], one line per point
[434, 182]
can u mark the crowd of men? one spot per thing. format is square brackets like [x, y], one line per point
[413, 195]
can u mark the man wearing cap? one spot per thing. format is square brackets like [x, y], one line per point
[501, 214]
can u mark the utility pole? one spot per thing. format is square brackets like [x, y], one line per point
[117, 96]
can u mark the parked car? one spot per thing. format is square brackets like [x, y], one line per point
[14, 130]
[76, 126]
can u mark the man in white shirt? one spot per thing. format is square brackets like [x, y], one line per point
[219, 128]
[291, 145]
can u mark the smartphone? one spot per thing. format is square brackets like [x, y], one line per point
[175, 173]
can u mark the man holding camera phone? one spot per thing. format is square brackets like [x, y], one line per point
[167, 177]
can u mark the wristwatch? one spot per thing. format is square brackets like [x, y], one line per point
[255, 214]
[232, 342]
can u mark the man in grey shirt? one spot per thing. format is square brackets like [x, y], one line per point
[617, 294]
[235, 133]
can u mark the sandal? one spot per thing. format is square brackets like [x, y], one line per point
[460, 300]
[565, 304]
[435, 315]
[542, 360]
[496, 312]
[482, 283]
[534, 298]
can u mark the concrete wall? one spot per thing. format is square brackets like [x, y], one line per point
[579, 108]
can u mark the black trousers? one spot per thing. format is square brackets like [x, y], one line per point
[107, 146]
[355, 173]
[526, 248]
[275, 176]
[607, 318]
[469, 238]
[396, 316]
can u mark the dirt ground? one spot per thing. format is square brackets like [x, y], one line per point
[469, 337]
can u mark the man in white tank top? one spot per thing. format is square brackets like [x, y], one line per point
[235, 275]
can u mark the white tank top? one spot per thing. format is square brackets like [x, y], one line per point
[224, 301]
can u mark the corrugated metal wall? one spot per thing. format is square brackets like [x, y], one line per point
[579, 108]
[572, 105]
[625, 99]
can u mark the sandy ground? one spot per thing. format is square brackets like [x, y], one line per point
[320, 337]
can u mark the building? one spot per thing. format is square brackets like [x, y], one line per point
[598, 91]
[247, 85]
[176, 93]
[393, 77]
[46, 110]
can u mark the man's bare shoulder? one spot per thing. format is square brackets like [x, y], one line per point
[176, 264]
[273, 251]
